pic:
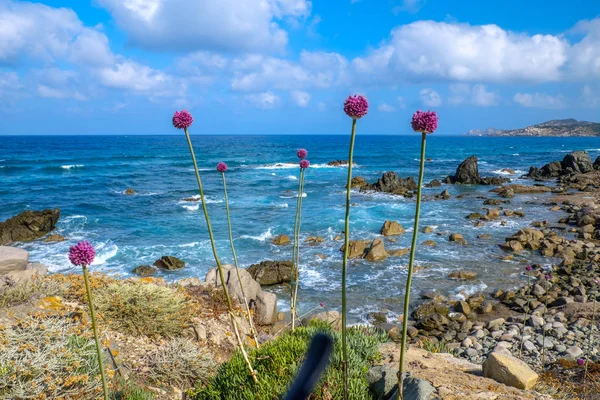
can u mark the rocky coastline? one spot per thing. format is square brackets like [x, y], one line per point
[549, 323]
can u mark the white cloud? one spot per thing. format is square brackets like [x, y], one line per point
[10, 86]
[411, 6]
[301, 99]
[461, 93]
[47, 91]
[401, 102]
[92, 48]
[429, 50]
[539, 100]
[430, 97]
[186, 25]
[140, 79]
[322, 106]
[264, 101]
[585, 55]
[386, 108]
[590, 98]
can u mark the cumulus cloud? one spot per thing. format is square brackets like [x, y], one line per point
[539, 100]
[429, 50]
[590, 98]
[300, 98]
[411, 6]
[264, 100]
[585, 55]
[463, 93]
[187, 25]
[430, 97]
[384, 107]
[141, 79]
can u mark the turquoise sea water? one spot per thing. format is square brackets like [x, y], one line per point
[86, 176]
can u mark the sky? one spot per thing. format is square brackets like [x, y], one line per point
[286, 66]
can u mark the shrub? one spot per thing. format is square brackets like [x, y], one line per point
[278, 361]
[47, 358]
[435, 347]
[180, 363]
[143, 308]
[17, 293]
[130, 391]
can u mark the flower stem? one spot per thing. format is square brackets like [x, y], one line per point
[237, 268]
[215, 254]
[95, 329]
[413, 250]
[526, 312]
[585, 370]
[345, 259]
[544, 326]
[296, 251]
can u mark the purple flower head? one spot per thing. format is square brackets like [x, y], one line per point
[321, 304]
[528, 268]
[302, 153]
[221, 167]
[548, 277]
[356, 106]
[424, 121]
[82, 254]
[580, 361]
[304, 164]
[182, 119]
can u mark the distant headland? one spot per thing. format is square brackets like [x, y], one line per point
[555, 127]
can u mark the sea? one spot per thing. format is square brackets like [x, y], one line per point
[86, 176]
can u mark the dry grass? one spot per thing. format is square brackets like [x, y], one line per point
[136, 307]
[48, 358]
[566, 381]
[19, 293]
[179, 363]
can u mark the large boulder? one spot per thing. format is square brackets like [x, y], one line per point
[28, 226]
[272, 272]
[169, 263]
[467, 172]
[391, 228]
[266, 308]
[331, 317]
[358, 182]
[20, 276]
[356, 248]
[504, 368]
[12, 259]
[376, 251]
[577, 162]
[281, 240]
[251, 287]
[144, 270]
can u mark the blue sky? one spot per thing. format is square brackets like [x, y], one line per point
[286, 66]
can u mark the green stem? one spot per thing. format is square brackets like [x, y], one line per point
[214, 249]
[413, 250]
[297, 248]
[235, 261]
[345, 259]
[294, 260]
[544, 325]
[526, 312]
[95, 329]
[585, 370]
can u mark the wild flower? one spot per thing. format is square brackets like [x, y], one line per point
[302, 153]
[355, 107]
[425, 123]
[82, 254]
[183, 120]
[222, 168]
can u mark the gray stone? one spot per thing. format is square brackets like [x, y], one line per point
[529, 346]
[573, 353]
[251, 287]
[266, 308]
[383, 380]
[12, 259]
[415, 389]
[504, 368]
[28, 226]
[272, 272]
[169, 263]
[332, 317]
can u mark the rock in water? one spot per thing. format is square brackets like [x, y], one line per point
[358, 182]
[356, 249]
[390, 182]
[129, 191]
[281, 240]
[28, 226]
[391, 228]
[462, 275]
[272, 272]
[12, 259]
[578, 161]
[144, 270]
[55, 238]
[504, 368]
[376, 251]
[467, 172]
[169, 263]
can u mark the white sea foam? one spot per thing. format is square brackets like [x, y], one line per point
[196, 197]
[263, 237]
[192, 207]
[501, 172]
[292, 177]
[464, 291]
[295, 195]
[67, 167]
[295, 165]
[282, 205]
[104, 253]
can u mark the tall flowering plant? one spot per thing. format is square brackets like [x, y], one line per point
[82, 254]
[304, 163]
[355, 107]
[425, 123]
[183, 120]
[222, 168]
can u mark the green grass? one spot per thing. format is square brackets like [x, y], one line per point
[278, 361]
[435, 347]
[131, 391]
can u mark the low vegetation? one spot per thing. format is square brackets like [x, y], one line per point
[278, 361]
[18, 293]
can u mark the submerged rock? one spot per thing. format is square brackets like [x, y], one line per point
[129, 191]
[144, 270]
[281, 240]
[28, 226]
